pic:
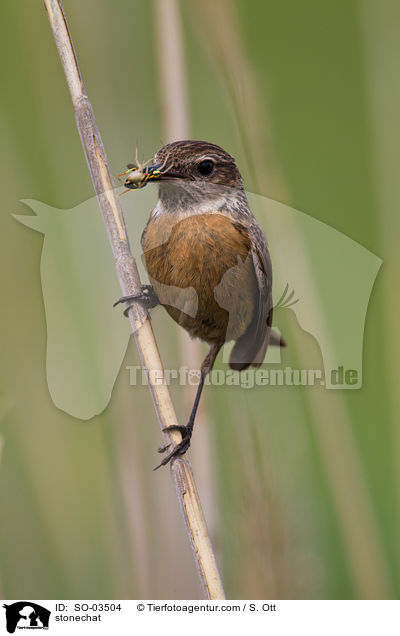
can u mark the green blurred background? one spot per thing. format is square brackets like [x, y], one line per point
[300, 485]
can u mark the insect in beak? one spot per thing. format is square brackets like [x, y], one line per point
[138, 177]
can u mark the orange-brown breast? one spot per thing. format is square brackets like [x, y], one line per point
[201, 269]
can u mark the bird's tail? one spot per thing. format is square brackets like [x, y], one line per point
[276, 340]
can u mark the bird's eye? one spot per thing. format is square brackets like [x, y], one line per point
[206, 167]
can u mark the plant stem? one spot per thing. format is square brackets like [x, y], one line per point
[130, 283]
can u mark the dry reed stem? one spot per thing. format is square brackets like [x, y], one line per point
[129, 280]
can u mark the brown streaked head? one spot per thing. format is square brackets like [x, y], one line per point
[200, 161]
[189, 162]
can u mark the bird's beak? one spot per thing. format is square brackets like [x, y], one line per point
[138, 178]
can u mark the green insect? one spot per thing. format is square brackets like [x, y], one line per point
[138, 174]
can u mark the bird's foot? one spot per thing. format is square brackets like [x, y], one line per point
[147, 296]
[179, 449]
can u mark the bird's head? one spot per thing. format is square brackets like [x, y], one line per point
[190, 173]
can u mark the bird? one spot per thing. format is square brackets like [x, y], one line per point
[207, 259]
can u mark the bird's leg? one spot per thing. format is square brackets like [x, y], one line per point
[187, 431]
[147, 296]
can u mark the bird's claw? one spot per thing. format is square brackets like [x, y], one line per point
[179, 449]
[147, 296]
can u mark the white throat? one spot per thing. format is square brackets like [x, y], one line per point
[191, 198]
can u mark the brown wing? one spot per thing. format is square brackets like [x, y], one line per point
[251, 347]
